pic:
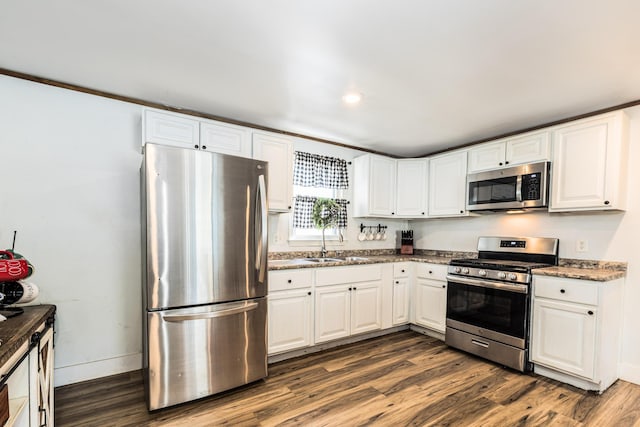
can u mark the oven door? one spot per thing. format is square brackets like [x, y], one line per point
[492, 309]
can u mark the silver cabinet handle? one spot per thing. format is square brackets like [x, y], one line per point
[211, 314]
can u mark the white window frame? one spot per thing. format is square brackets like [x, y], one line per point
[315, 234]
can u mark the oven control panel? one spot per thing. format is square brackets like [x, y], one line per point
[487, 273]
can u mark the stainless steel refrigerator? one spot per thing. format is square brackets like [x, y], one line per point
[204, 273]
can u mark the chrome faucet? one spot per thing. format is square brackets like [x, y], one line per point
[323, 252]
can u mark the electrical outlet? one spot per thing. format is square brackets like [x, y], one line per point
[582, 246]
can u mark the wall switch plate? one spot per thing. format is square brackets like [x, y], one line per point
[582, 246]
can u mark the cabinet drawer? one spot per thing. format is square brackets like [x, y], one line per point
[290, 279]
[401, 269]
[341, 275]
[432, 271]
[570, 290]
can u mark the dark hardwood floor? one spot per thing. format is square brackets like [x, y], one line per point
[396, 380]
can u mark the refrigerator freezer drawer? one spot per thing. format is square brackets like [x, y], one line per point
[195, 352]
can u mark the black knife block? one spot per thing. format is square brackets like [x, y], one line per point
[406, 245]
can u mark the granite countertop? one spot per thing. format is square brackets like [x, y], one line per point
[278, 261]
[15, 331]
[600, 271]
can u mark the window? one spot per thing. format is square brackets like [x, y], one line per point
[317, 176]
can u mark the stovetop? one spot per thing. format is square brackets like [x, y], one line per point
[499, 264]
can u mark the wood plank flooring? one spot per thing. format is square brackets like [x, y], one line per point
[402, 379]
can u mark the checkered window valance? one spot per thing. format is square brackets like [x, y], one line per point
[314, 170]
[303, 208]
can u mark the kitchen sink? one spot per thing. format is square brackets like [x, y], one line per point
[324, 259]
[352, 258]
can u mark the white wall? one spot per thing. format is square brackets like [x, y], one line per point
[69, 164]
[610, 236]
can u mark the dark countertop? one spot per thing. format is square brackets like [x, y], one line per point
[15, 331]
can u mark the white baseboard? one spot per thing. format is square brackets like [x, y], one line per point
[100, 368]
[629, 372]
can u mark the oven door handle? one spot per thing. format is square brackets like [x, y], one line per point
[483, 283]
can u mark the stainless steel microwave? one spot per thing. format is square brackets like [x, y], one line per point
[518, 187]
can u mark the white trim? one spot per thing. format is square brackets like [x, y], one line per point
[629, 372]
[100, 368]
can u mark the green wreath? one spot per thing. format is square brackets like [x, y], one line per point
[325, 213]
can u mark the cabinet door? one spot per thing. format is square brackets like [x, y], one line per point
[588, 165]
[41, 389]
[447, 185]
[400, 301]
[289, 320]
[170, 129]
[528, 148]
[487, 156]
[366, 307]
[411, 185]
[332, 313]
[225, 139]
[278, 151]
[431, 304]
[563, 336]
[382, 186]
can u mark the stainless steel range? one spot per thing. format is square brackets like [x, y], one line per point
[488, 298]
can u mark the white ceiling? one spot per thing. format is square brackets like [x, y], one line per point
[433, 74]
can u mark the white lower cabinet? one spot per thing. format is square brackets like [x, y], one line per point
[290, 311]
[430, 296]
[575, 330]
[348, 301]
[401, 293]
[29, 379]
[290, 320]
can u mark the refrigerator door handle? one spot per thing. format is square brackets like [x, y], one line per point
[261, 256]
[244, 307]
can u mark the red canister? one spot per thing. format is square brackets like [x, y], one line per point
[12, 269]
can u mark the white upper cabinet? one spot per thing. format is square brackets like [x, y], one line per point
[172, 129]
[225, 139]
[526, 148]
[374, 193]
[184, 131]
[589, 166]
[278, 151]
[447, 184]
[411, 188]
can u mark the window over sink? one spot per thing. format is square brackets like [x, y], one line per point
[316, 176]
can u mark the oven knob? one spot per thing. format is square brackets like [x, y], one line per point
[457, 270]
[465, 271]
[513, 276]
[482, 272]
[502, 275]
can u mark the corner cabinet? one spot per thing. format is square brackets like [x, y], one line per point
[525, 148]
[589, 168]
[411, 188]
[575, 332]
[278, 151]
[374, 193]
[447, 185]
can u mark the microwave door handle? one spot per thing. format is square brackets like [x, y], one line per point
[519, 188]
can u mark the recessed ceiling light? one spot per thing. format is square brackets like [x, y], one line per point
[352, 98]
